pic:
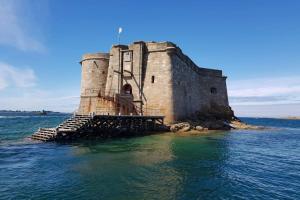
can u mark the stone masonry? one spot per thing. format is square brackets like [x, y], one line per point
[149, 78]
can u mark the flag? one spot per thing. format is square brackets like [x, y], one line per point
[120, 30]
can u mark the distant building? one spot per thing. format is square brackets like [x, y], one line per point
[149, 78]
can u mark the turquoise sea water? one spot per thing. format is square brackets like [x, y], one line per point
[237, 164]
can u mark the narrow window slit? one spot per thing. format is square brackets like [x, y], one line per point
[213, 90]
[152, 79]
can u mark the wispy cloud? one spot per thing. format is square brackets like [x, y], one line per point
[35, 99]
[13, 28]
[19, 90]
[31, 100]
[265, 91]
[11, 76]
[277, 110]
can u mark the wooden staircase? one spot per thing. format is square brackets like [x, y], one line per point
[72, 125]
[44, 134]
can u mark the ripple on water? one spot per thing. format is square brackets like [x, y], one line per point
[227, 165]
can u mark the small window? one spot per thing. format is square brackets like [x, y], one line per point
[152, 79]
[127, 56]
[213, 90]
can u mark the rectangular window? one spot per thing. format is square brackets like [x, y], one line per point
[127, 56]
[213, 90]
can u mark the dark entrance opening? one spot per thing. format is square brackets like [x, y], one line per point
[127, 89]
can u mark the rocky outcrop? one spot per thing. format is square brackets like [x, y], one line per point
[214, 112]
[199, 126]
[215, 118]
[182, 127]
[204, 126]
[237, 124]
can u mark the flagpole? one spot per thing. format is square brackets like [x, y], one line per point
[119, 34]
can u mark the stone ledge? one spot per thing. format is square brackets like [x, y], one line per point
[95, 56]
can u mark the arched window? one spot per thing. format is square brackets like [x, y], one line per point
[213, 90]
[127, 89]
[152, 79]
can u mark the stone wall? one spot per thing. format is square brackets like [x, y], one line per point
[194, 90]
[113, 78]
[139, 69]
[180, 87]
[94, 69]
[162, 80]
[157, 90]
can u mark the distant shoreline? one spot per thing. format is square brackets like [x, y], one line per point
[42, 112]
[289, 117]
[292, 118]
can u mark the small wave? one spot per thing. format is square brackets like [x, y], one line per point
[27, 116]
[276, 128]
[12, 117]
[290, 128]
[20, 141]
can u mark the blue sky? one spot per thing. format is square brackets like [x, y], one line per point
[255, 43]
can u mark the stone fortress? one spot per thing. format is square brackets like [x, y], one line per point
[149, 78]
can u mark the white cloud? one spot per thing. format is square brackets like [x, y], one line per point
[19, 91]
[62, 100]
[265, 91]
[11, 76]
[13, 28]
[278, 110]
[40, 100]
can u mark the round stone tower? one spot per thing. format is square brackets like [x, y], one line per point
[94, 73]
[93, 80]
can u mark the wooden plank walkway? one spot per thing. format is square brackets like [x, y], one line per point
[103, 126]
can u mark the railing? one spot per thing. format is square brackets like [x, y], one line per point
[100, 93]
[112, 111]
[152, 112]
[105, 111]
[116, 97]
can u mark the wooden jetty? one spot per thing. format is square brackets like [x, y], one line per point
[102, 126]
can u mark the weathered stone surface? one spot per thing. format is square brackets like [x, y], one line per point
[93, 80]
[216, 125]
[163, 81]
[206, 125]
[174, 128]
[184, 126]
[185, 129]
